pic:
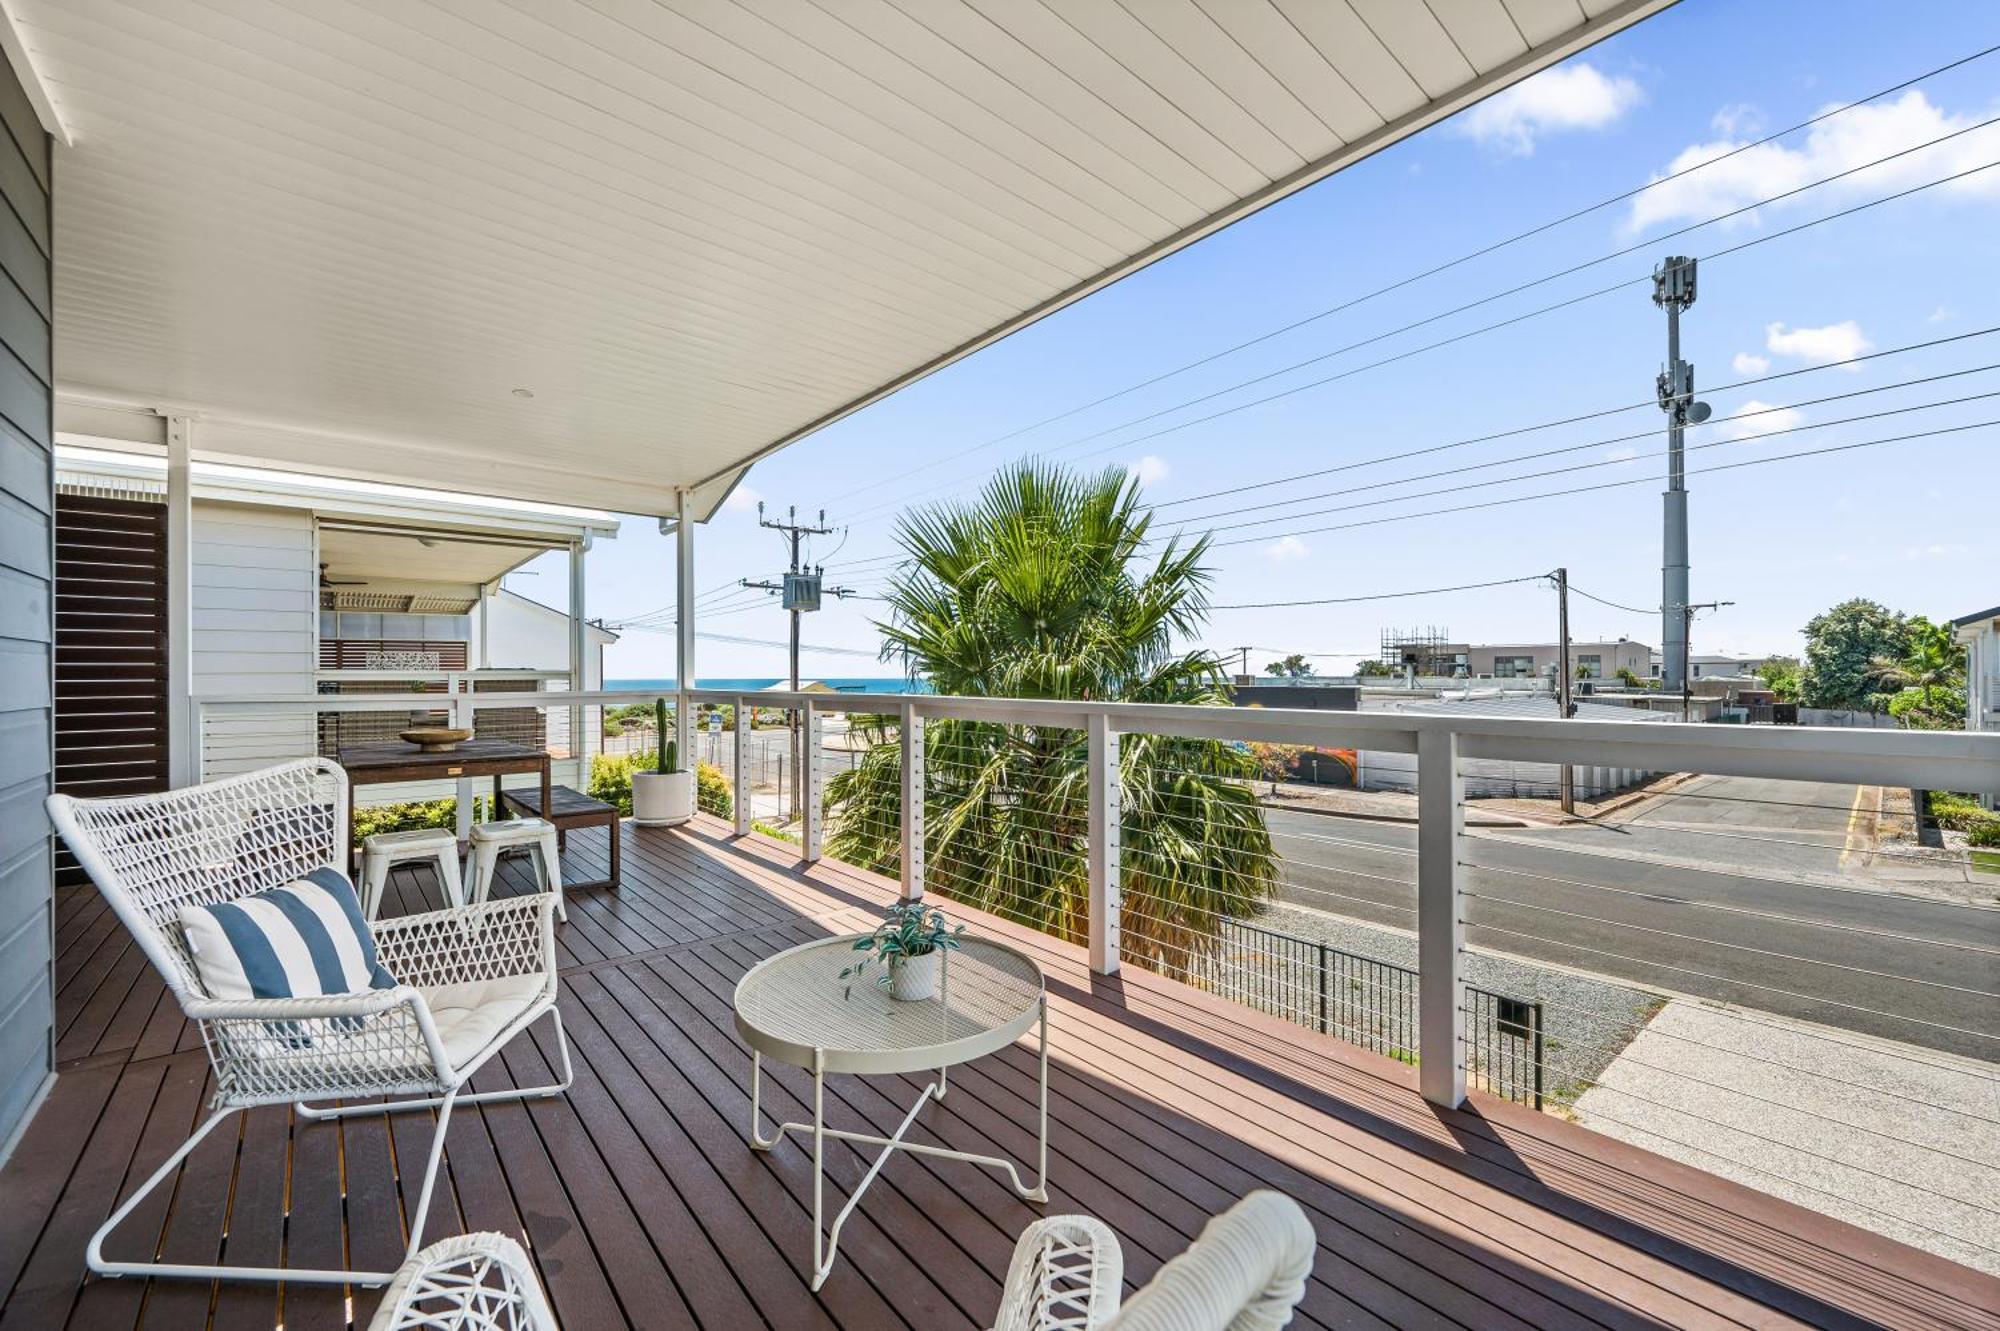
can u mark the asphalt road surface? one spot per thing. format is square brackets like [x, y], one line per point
[1615, 899]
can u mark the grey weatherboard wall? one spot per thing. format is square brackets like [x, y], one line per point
[27, 608]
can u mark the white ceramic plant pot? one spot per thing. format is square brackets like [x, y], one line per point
[662, 798]
[913, 979]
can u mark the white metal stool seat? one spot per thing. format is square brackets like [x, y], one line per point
[385, 850]
[475, 1282]
[538, 834]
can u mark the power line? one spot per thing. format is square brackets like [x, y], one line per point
[1573, 467]
[1508, 322]
[1606, 485]
[1430, 272]
[1588, 596]
[1585, 416]
[1185, 523]
[1575, 419]
[1378, 596]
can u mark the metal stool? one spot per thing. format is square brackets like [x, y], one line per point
[384, 850]
[538, 834]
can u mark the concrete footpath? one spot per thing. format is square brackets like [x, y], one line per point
[1892, 1138]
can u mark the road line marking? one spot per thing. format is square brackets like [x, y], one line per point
[1853, 823]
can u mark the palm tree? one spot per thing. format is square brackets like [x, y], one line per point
[1042, 587]
[1928, 681]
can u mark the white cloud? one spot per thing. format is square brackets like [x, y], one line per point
[1755, 418]
[1941, 314]
[1286, 549]
[1148, 470]
[1821, 346]
[1563, 97]
[742, 499]
[1839, 143]
[1623, 453]
[1936, 551]
[1746, 362]
[1739, 120]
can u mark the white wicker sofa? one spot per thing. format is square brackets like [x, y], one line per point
[469, 979]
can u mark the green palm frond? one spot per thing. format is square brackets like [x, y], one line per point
[1041, 587]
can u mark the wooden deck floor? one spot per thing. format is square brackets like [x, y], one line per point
[644, 1208]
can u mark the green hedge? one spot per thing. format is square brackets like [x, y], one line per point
[407, 817]
[611, 781]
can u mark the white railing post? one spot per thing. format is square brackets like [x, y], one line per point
[813, 780]
[1106, 818]
[911, 730]
[742, 765]
[463, 718]
[1440, 927]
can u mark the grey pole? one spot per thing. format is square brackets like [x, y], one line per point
[1564, 707]
[1673, 291]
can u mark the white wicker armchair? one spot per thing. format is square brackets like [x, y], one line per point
[474, 1282]
[469, 979]
[1245, 1272]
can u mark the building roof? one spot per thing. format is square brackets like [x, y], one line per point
[1532, 705]
[1994, 613]
[597, 253]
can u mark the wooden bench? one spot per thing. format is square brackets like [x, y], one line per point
[570, 809]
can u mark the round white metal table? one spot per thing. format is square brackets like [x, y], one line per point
[795, 1008]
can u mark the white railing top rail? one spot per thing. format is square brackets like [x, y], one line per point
[1938, 760]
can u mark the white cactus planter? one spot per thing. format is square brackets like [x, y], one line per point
[661, 799]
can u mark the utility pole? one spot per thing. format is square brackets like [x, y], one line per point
[1685, 614]
[1673, 291]
[1564, 707]
[802, 591]
[1245, 670]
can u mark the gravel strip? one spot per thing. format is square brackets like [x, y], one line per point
[1586, 1022]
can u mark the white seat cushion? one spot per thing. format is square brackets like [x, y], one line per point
[514, 831]
[470, 1014]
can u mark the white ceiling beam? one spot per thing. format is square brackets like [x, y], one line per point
[31, 78]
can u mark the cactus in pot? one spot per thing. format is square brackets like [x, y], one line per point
[664, 795]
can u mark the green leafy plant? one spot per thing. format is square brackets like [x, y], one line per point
[1958, 813]
[407, 817]
[909, 930]
[611, 781]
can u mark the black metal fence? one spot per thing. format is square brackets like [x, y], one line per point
[1374, 1004]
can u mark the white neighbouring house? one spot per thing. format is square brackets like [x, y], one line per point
[1979, 634]
[304, 586]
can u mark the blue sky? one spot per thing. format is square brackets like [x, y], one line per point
[1911, 524]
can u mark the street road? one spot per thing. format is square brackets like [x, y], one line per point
[1615, 899]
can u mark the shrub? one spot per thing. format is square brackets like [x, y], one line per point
[408, 817]
[1960, 813]
[611, 781]
[1985, 833]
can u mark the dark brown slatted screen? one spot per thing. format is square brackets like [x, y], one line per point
[111, 650]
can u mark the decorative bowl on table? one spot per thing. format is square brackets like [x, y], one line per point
[436, 739]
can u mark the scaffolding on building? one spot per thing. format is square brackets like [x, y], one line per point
[1426, 651]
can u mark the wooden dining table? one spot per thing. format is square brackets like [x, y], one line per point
[398, 760]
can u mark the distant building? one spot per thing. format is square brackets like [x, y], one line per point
[1489, 778]
[1538, 660]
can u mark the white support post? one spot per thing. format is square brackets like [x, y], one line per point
[911, 730]
[463, 717]
[1440, 922]
[742, 775]
[579, 743]
[814, 782]
[684, 622]
[1106, 819]
[183, 739]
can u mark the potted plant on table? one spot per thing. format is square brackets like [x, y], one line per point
[666, 794]
[910, 943]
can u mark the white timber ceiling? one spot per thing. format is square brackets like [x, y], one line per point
[341, 234]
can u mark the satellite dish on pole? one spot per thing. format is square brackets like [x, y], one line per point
[1698, 412]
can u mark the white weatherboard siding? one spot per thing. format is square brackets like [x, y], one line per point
[255, 589]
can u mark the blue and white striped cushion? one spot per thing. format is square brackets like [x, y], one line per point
[301, 940]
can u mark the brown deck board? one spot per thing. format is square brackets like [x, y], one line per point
[643, 1206]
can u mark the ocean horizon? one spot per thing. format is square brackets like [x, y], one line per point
[758, 683]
